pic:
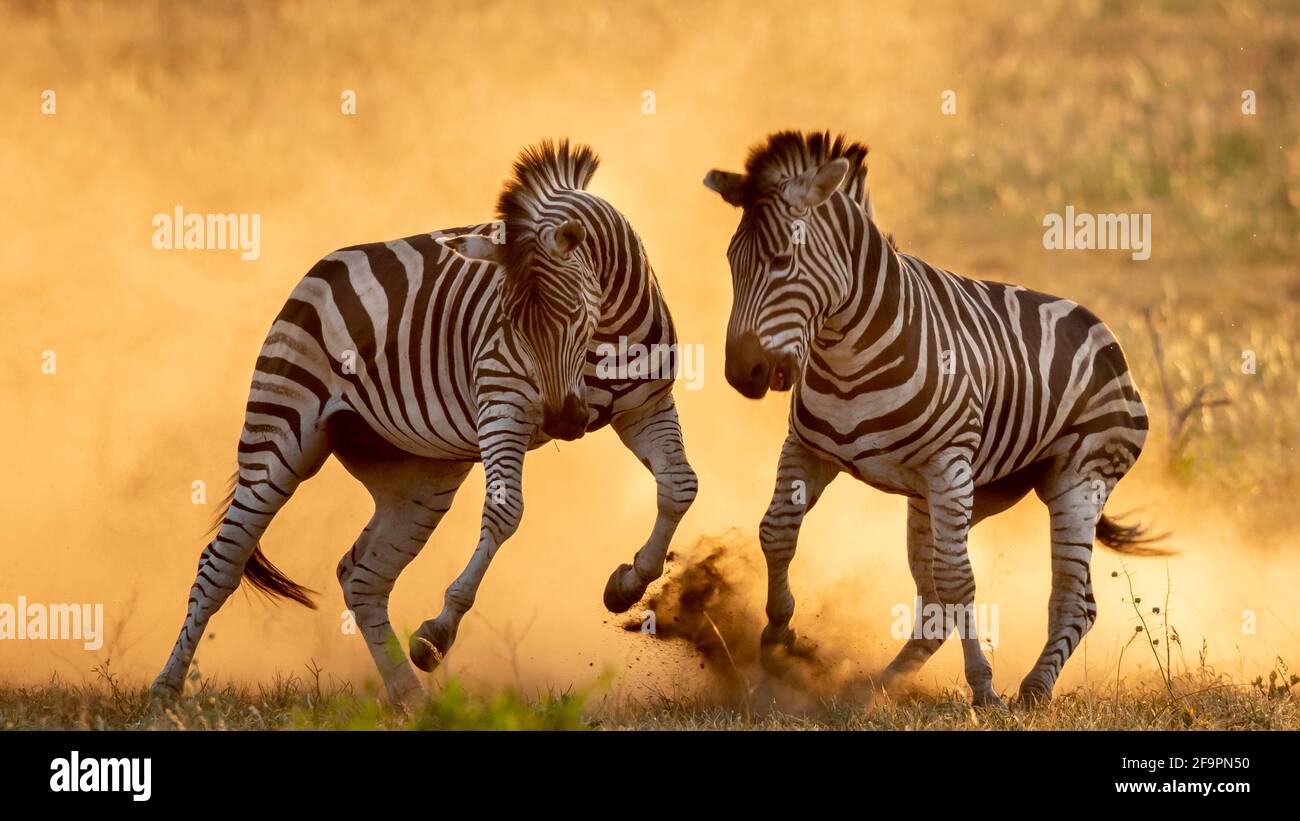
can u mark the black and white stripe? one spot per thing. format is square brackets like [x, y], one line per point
[963, 395]
[411, 360]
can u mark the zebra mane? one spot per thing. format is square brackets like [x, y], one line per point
[788, 153]
[541, 171]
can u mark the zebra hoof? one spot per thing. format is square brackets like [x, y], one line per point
[1032, 695]
[888, 681]
[618, 597]
[775, 647]
[165, 690]
[429, 645]
[406, 695]
[988, 699]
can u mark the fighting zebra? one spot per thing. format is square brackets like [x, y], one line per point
[962, 395]
[413, 359]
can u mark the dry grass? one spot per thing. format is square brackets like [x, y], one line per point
[288, 703]
[1203, 700]
[1237, 446]
[1206, 704]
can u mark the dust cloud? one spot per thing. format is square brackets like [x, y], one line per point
[222, 107]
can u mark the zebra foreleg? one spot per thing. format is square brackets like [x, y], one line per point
[923, 642]
[503, 507]
[800, 479]
[656, 439]
[410, 500]
[950, 499]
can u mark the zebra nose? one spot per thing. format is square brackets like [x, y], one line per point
[748, 370]
[567, 423]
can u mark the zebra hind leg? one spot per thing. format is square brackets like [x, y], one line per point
[923, 643]
[1074, 504]
[656, 439]
[950, 500]
[989, 500]
[273, 461]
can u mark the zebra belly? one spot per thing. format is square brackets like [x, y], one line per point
[413, 433]
[892, 460]
[888, 476]
[993, 493]
[357, 444]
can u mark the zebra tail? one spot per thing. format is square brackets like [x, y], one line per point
[1130, 540]
[266, 577]
[258, 571]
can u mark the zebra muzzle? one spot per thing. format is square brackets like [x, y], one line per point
[748, 369]
[785, 374]
[567, 423]
[753, 370]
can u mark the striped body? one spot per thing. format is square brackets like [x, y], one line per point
[412, 360]
[410, 336]
[960, 394]
[1007, 376]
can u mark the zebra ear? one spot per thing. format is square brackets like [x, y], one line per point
[474, 247]
[814, 186]
[564, 239]
[726, 184]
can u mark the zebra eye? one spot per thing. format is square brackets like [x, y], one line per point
[781, 262]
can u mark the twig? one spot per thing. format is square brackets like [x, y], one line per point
[512, 642]
[744, 682]
[1169, 684]
[1178, 416]
[1159, 352]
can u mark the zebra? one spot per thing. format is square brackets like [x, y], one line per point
[413, 359]
[960, 394]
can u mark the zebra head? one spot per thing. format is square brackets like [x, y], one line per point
[789, 259]
[550, 290]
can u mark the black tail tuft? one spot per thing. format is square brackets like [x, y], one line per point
[261, 574]
[1131, 540]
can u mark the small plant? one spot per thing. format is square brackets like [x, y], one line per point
[1280, 682]
[454, 708]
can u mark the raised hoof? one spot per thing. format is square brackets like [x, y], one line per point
[429, 646]
[617, 600]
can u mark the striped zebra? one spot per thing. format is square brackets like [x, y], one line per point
[962, 395]
[410, 361]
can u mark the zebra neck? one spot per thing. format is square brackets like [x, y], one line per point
[877, 296]
[624, 276]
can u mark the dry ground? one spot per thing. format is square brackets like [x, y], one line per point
[1204, 700]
